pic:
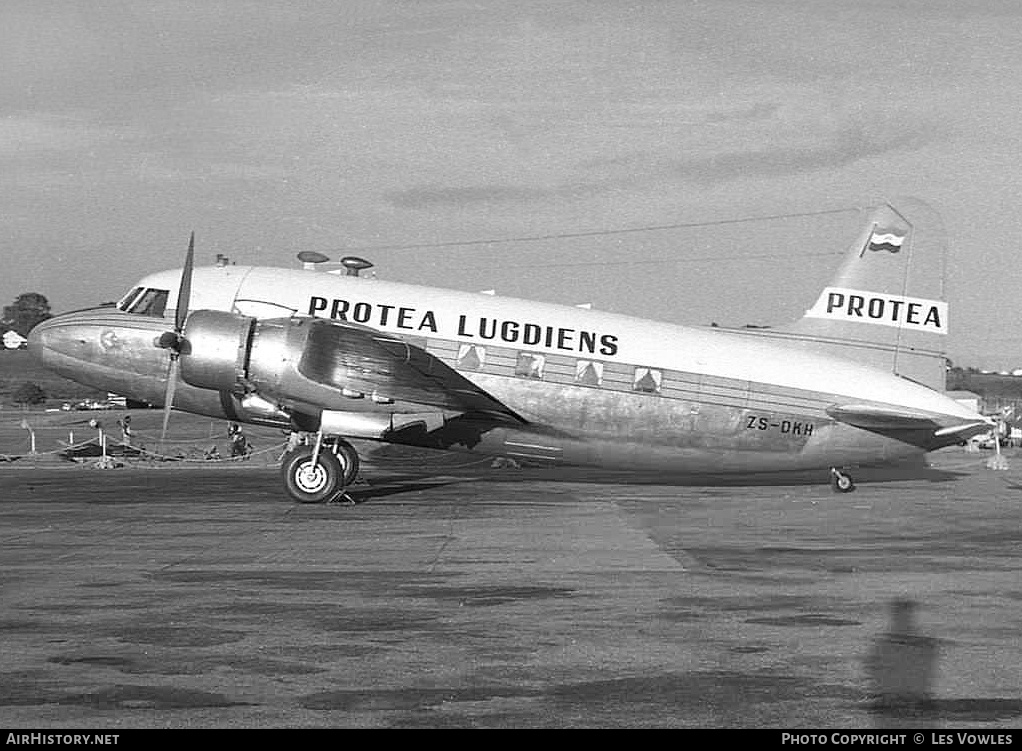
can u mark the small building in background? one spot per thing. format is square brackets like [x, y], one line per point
[13, 340]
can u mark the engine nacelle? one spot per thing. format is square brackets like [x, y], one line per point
[217, 347]
[289, 368]
[240, 354]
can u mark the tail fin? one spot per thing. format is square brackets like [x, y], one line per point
[886, 306]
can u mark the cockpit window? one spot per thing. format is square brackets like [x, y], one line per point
[151, 302]
[128, 299]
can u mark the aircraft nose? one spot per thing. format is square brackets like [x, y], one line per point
[64, 335]
[41, 337]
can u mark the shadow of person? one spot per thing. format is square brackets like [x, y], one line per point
[900, 667]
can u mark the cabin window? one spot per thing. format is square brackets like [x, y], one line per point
[530, 365]
[648, 380]
[471, 357]
[589, 372]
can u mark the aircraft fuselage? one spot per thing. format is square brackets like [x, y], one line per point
[593, 388]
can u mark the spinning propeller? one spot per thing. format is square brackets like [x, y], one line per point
[174, 341]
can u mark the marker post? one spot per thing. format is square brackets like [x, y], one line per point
[997, 461]
[31, 433]
[105, 462]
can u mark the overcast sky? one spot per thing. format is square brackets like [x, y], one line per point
[339, 126]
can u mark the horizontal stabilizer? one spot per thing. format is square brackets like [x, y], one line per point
[965, 430]
[881, 419]
[869, 417]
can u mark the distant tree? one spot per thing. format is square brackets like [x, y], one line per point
[28, 309]
[28, 393]
[956, 379]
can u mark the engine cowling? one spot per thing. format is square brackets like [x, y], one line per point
[241, 354]
[216, 351]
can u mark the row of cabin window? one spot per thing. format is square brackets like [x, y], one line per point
[587, 372]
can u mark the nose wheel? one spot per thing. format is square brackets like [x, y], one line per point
[841, 482]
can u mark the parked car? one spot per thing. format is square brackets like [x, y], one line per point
[89, 404]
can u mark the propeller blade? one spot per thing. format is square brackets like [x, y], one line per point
[184, 292]
[174, 341]
[168, 397]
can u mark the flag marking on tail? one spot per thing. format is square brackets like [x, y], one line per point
[884, 239]
[916, 313]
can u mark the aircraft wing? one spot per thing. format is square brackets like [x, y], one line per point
[362, 359]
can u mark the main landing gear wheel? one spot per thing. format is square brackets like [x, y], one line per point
[348, 458]
[841, 482]
[309, 482]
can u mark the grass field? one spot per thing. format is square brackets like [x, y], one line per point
[17, 366]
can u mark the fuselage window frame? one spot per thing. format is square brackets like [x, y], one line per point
[530, 365]
[471, 357]
[586, 371]
[646, 380]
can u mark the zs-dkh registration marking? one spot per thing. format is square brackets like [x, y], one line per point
[786, 427]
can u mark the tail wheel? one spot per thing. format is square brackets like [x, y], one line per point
[311, 482]
[841, 482]
[349, 460]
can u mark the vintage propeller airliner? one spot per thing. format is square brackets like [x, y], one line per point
[332, 357]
